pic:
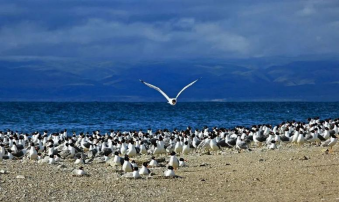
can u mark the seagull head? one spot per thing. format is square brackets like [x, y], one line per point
[173, 102]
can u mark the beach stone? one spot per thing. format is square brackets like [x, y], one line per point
[87, 161]
[203, 164]
[304, 158]
[20, 177]
[98, 161]
[116, 176]
[260, 160]
[61, 166]
[2, 171]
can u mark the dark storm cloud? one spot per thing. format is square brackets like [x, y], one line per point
[138, 30]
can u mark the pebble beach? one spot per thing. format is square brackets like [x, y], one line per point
[286, 174]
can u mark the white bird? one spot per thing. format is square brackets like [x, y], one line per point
[182, 162]
[295, 137]
[241, 144]
[272, 145]
[79, 172]
[9, 155]
[277, 138]
[301, 139]
[123, 148]
[106, 158]
[161, 145]
[186, 149]
[143, 149]
[144, 170]
[33, 154]
[153, 162]
[14, 148]
[131, 150]
[173, 161]
[326, 134]
[51, 159]
[80, 160]
[134, 164]
[204, 145]
[169, 172]
[2, 149]
[330, 142]
[118, 161]
[136, 173]
[71, 149]
[213, 145]
[171, 101]
[178, 147]
[157, 150]
[127, 166]
[269, 139]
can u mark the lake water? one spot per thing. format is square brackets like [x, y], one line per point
[89, 116]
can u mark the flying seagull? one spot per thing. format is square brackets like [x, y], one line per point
[171, 101]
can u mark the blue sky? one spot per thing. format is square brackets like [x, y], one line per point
[148, 30]
[98, 49]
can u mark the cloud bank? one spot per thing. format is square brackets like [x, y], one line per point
[153, 30]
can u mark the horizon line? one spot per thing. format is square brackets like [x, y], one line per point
[209, 101]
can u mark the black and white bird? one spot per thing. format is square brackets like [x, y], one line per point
[117, 161]
[169, 172]
[127, 166]
[171, 101]
[144, 170]
[79, 172]
[330, 142]
[174, 162]
[182, 162]
[153, 162]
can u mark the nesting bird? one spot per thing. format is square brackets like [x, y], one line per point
[169, 172]
[127, 166]
[79, 172]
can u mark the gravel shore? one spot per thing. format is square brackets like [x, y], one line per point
[286, 174]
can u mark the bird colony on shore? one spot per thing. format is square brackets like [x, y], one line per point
[121, 150]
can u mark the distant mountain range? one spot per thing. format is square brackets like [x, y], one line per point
[222, 80]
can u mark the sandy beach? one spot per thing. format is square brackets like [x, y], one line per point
[286, 174]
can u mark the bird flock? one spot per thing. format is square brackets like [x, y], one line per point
[122, 149]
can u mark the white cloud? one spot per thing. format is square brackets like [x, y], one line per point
[307, 11]
[220, 39]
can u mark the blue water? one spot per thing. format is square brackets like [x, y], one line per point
[86, 117]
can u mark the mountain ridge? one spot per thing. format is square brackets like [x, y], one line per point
[38, 80]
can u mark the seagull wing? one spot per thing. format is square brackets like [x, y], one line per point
[156, 88]
[187, 87]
